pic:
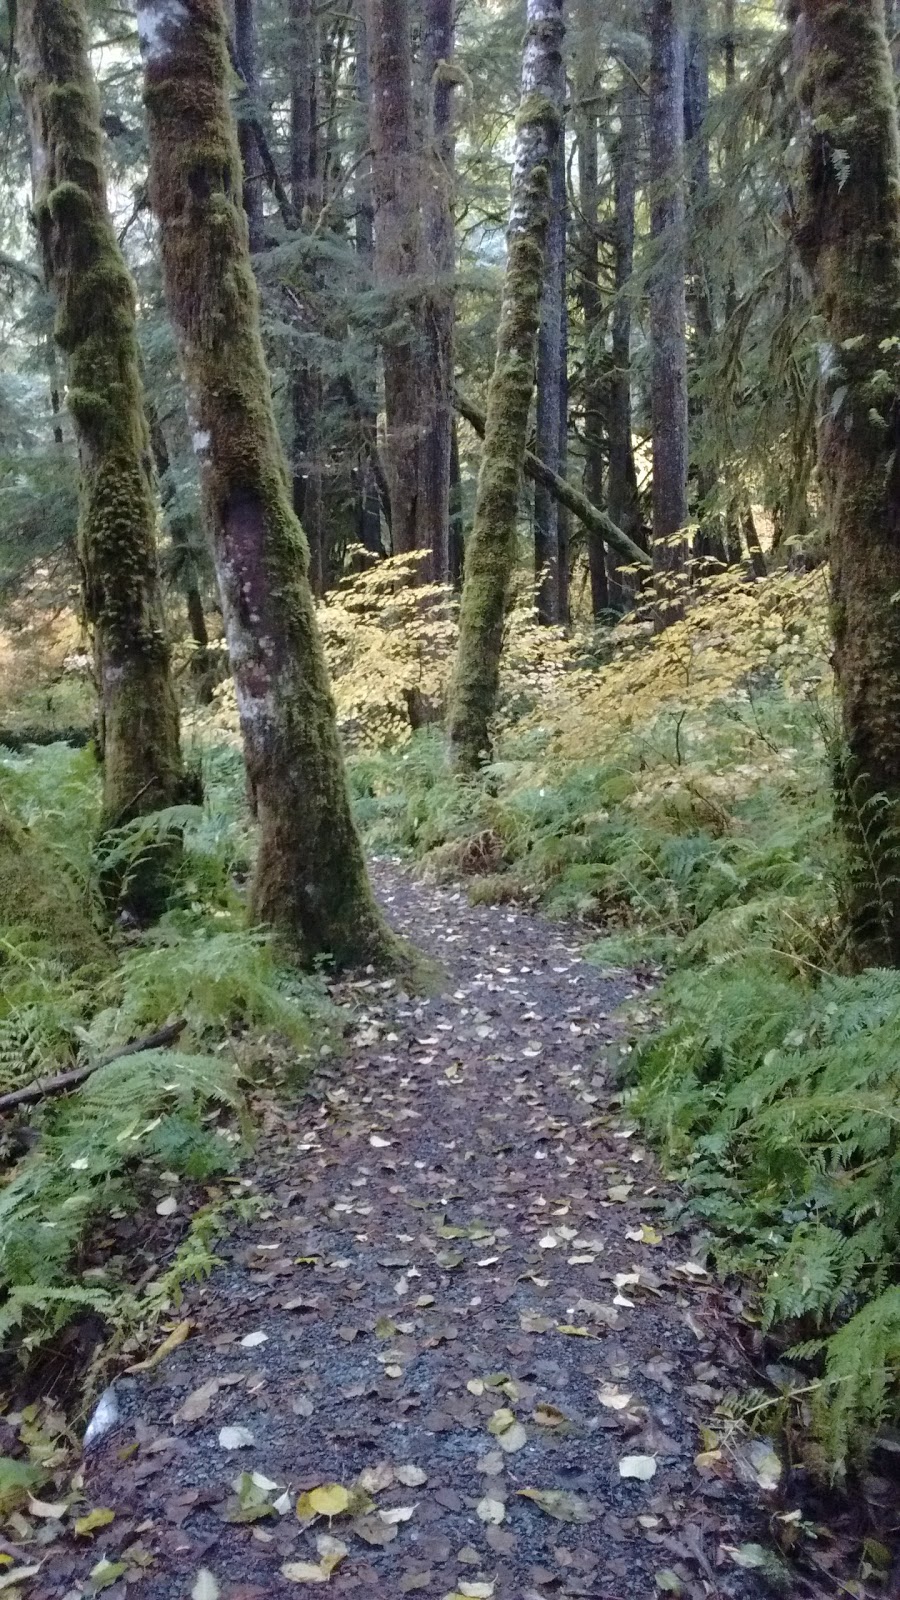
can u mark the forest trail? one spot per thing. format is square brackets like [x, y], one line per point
[434, 1285]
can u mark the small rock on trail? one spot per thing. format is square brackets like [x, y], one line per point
[461, 1288]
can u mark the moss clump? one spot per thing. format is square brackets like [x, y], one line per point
[96, 328]
[42, 912]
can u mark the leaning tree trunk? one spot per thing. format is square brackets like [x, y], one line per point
[849, 237]
[399, 262]
[551, 376]
[95, 326]
[310, 879]
[491, 552]
[668, 312]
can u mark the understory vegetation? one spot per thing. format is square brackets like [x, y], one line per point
[677, 800]
[139, 1164]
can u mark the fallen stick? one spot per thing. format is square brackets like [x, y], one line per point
[41, 1088]
[580, 506]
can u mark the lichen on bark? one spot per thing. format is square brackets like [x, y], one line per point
[310, 879]
[491, 552]
[95, 327]
[848, 232]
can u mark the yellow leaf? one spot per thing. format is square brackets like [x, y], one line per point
[329, 1500]
[86, 1525]
[175, 1338]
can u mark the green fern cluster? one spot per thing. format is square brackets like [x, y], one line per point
[137, 1115]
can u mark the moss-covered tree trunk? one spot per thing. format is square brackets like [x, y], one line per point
[491, 551]
[95, 326]
[439, 79]
[310, 879]
[849, 237]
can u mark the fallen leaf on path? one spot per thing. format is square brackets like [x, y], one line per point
[18, 1575]
[643, 1467]
[87, 1525]
[205, 1586]
[373, 1531]
[174, 1339]
[198, 1403]
[235, 1438]
[614, 1399]
[167, 1207]
[490, 1511]
[410, 1476]
[251, 1340]
[560, 1503]
[43, 1508]
[396, 1514]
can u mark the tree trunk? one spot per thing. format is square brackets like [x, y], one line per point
[246, 52]
[668, 314]
[399, 263]
[849, 238]
[551, 374]
[438, 82]
[709, 543]
[491, 553]
[306, 388]
[310, 880]
[622, 498]
[366, 408]
[457, 542]
[95, 326]
[589, 289]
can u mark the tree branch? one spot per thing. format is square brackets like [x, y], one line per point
[595, 520]
[41, 1088]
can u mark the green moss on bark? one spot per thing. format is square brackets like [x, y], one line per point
[310, 880]
[95, 326]
[491, 552]
[849, 235]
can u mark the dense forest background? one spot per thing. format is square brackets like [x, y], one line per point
[605, 484]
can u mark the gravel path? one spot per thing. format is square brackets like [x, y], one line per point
[461, 1287]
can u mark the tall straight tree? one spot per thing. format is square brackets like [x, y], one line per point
[95, 327]
[310, 879]
[491, 551]
[623, 499]
[399, 264]
[849, 237]
[552, 389]
[245, 51]
[668, 308]
[588, 283]
[439, 78]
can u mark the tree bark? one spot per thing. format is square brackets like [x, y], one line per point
[366, 408]
[245, 50]
[668, 312]
[439, 78]
[307, 197]
[310, 880]
[491, 553]
[399, 263]
[589, 289]
[622, 498]
[848, 232]
[95, 327]
[551, 375]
